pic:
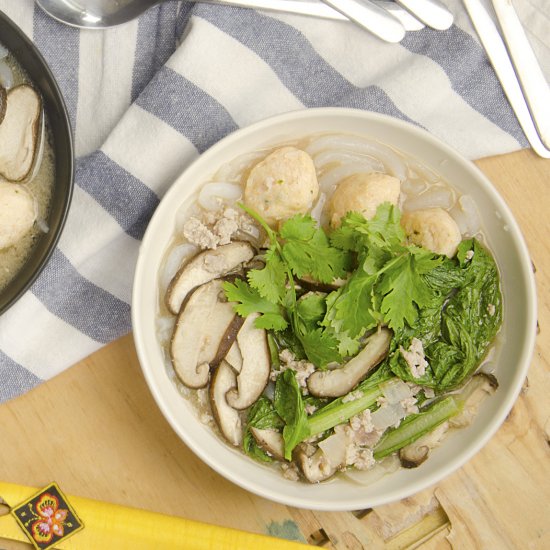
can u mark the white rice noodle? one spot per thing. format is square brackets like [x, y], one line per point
[215, 194]
[165, 327]
[317, 210]
[336, 141]
[331, 178]
[438, 196]
[175, 258]
[6, 75]
[393, 164]
[386, 466]
[343, 157]
[233, 171]
[417, 170]
[466, 215]
[387, 415]
[395, 390]
[413, 186]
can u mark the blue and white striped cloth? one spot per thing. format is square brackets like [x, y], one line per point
[145, 99]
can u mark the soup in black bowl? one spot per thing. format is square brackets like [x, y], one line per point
[36, 163]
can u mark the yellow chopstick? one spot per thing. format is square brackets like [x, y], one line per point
[112, 526]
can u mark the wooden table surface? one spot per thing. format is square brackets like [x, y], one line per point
[96, 430]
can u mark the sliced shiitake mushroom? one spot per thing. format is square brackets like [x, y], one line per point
[234, 357]
[271, 441]
[200, 327]
[228, 348]
[19, 132]
[474, 392]
[205, 266]
[228, 419]
[339, 381]
[256, 364]
[416, 453]
[309, 283]
[316, 467]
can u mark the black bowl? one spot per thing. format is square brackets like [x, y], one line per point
[24, 51]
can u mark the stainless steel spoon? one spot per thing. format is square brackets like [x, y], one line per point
[101, 14]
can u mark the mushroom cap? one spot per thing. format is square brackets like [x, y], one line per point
[198, 333]
[17, 213]
[282, 185]
[411, 456]
[315, 468]
[339, 381]
[19, 132]
[205, 266]
[227, 418]
[255, 367]
[362, 193]
[271, 441]
[472, 394]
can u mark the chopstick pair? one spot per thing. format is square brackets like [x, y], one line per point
[517, 69]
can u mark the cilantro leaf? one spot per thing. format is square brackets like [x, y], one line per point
[385, 227]
[311, 308]
[307, 250]
[383, 231]
[353, 305]
[403, 290]
[300, 228]
[270, 282]
[321, 347]
[249, 300]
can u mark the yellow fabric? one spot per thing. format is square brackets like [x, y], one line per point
[112, 526]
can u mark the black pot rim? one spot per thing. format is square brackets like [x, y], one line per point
[34, 64]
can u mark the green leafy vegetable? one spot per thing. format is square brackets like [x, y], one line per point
[289, 405]
[262, 415]
[387, 286]
[341, 410]
[249, 300]
[270, 282]
[459, 323]
[307, 250]
[415, 426]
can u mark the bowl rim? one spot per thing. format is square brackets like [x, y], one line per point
[14, 290]
[449, 467]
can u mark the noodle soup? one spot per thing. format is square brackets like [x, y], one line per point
[383, 388]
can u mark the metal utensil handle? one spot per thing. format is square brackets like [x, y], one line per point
[498, 55]
[316, 8]
[371, 17]
[431, 12]
[532, 80]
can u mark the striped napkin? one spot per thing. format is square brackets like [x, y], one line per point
[146, 98]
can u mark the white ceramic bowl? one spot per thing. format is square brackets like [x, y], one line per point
[518, 330]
